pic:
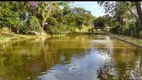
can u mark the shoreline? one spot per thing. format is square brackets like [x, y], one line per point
[130, 40]
[12, 37]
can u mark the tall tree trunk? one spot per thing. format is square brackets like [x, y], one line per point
[42, 23]
[139, 12]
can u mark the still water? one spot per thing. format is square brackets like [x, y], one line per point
[74, 57]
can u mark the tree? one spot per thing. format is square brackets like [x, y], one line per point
[122, 12]
[32, 26]
[10, 12]
[139, 12]
[79, 22]
[55, 16]
[99, 23]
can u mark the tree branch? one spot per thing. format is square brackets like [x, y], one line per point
[131, 12]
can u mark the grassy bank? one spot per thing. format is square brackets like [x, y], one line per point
[11, 37]
[84, 33]
[131, 40]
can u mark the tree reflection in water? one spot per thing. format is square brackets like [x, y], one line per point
[84, 57]
[125, 64]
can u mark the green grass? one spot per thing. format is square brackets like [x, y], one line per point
[134, 40]
[11, 37]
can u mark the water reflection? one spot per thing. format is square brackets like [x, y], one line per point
[82, 57]
[123, 64]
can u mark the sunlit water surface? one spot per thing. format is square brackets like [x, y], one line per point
[74, 57]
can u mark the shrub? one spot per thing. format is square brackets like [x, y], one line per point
[52, 21]
[58, 28]
[31, 26]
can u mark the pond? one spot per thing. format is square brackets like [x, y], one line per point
[72, 57]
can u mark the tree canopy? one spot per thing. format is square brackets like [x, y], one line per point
[52, 17]
[124, 19]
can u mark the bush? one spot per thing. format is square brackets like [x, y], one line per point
[52, 21]
[58, 29]
[5, 29]
[31, 26]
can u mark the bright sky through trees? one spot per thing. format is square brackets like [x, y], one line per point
[92, 6]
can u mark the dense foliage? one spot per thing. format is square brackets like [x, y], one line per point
[125, 17]
[59, 17]
[31, 26]
[41, 16]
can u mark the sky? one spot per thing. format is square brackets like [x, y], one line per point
[92, 6]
